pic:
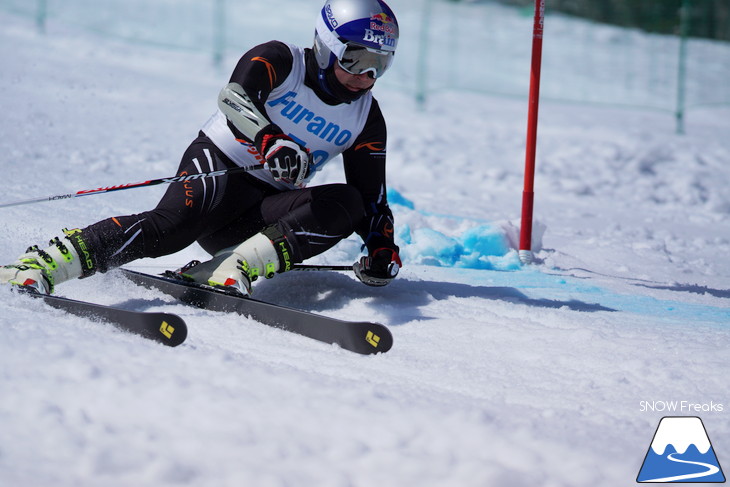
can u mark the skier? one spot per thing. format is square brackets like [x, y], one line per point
[285, 113]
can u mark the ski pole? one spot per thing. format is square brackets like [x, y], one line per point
[144, 184]
[318, 267]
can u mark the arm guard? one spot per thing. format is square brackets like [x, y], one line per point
[241, 111]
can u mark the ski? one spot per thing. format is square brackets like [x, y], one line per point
[358, 337]
[165, 328]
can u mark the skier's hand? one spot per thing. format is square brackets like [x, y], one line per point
[378, 268]
[287, 160]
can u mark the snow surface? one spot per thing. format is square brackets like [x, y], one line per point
[499, 375]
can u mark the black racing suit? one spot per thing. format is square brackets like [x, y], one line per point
[224, 211]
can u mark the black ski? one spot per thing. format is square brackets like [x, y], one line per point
[165, 328]
[359, 337]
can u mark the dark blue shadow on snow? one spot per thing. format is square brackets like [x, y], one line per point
[691, 288]
[401, 300]
[679, 287]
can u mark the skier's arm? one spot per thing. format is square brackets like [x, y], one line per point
[262, 69]
[257, 73]
[364, 164]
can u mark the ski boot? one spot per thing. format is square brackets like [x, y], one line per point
[40, 270]
[234, 269]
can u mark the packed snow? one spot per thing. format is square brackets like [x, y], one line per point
[550, 374]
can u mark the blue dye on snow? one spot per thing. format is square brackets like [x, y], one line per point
[481, 247]
[396, 198]
[484, 247]
[537, 284]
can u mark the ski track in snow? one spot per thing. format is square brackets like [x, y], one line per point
[502, 376]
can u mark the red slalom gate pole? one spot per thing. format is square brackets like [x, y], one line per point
[528, 194]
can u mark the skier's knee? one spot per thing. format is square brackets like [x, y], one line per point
[343, 206]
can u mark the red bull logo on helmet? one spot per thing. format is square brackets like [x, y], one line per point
[383, 23]
[382, 17]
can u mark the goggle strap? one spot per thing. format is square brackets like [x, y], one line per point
[329, 38]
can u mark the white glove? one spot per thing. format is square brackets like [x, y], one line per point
[287, 160]
[379, 268]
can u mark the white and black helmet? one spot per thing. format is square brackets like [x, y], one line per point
[361, 35]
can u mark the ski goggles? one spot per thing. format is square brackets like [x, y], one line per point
[359, 60]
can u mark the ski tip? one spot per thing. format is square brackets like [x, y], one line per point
[172, 331]
[377, 338]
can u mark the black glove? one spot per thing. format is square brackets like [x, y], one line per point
[287, 160]
[378, 268]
